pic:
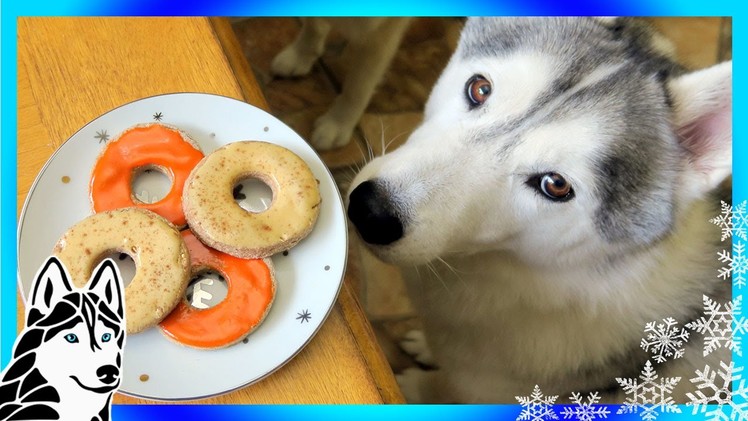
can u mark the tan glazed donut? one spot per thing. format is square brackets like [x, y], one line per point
[218, 221]
[162, 261]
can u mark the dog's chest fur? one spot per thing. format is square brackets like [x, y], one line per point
[568, 330]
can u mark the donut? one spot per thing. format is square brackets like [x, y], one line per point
[162, 262]
[137, 149]
[218, 221]
[251, 290]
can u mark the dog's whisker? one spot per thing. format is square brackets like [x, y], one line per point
[381, 137]
[450, 267]
[351, 173]
[397, 136]
[454, 271]
[360, 149]
[370, 150]
[355, 168]
[423, 285]
[433, 270]
[352, 169]
[386, 145]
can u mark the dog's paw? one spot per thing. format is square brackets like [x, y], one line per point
[414, 344]
[290, 62]
[330, 133]
[410, 381]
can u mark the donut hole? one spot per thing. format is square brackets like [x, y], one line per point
[206, 289]
[125, 263]
[253, 194]
[150, 184]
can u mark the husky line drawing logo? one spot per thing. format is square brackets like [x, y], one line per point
[67, 362]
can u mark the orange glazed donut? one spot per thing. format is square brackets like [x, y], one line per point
[219, 222]
[251, 290]
[137, 149]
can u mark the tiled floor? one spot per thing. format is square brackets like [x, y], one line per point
[395, 110]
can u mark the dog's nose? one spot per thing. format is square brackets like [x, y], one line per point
[373, 214]
[107, 373]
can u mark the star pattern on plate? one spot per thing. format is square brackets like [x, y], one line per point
[304, 316]
[102, 136]
[158, 116]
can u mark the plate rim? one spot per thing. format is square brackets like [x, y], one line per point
[45, 167]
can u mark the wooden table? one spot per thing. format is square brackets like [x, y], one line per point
[71, 70]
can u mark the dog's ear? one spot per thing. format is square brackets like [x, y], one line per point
[50, 285]
[106, 282]
[703, 121]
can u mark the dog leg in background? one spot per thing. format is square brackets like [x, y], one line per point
[414, 344]
[298, 57]
[422, 386]
[370, 55]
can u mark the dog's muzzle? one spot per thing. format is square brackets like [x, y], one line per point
[373, 214]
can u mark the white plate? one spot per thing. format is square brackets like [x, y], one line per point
[308, 278]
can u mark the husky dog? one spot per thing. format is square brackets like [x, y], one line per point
[67, 361]
[372, 44]
[554, 200]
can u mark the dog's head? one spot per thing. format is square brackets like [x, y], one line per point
[77, 335]
[578, 130]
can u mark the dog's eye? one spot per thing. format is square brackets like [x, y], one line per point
[477, 90]
[106, 337]
[71, 337]
[553, 186]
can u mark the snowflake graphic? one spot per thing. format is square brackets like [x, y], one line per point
[732, 221]
[737, 264]
[716, 325]
[158, 116]
[720, 393]
[650, 395]
[585, 411]
[739, 221]
[537, 407]
[664, 339]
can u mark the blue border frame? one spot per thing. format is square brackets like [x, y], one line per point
[10, 10]
[8, 191]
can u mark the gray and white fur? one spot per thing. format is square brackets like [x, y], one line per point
[516, 287]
